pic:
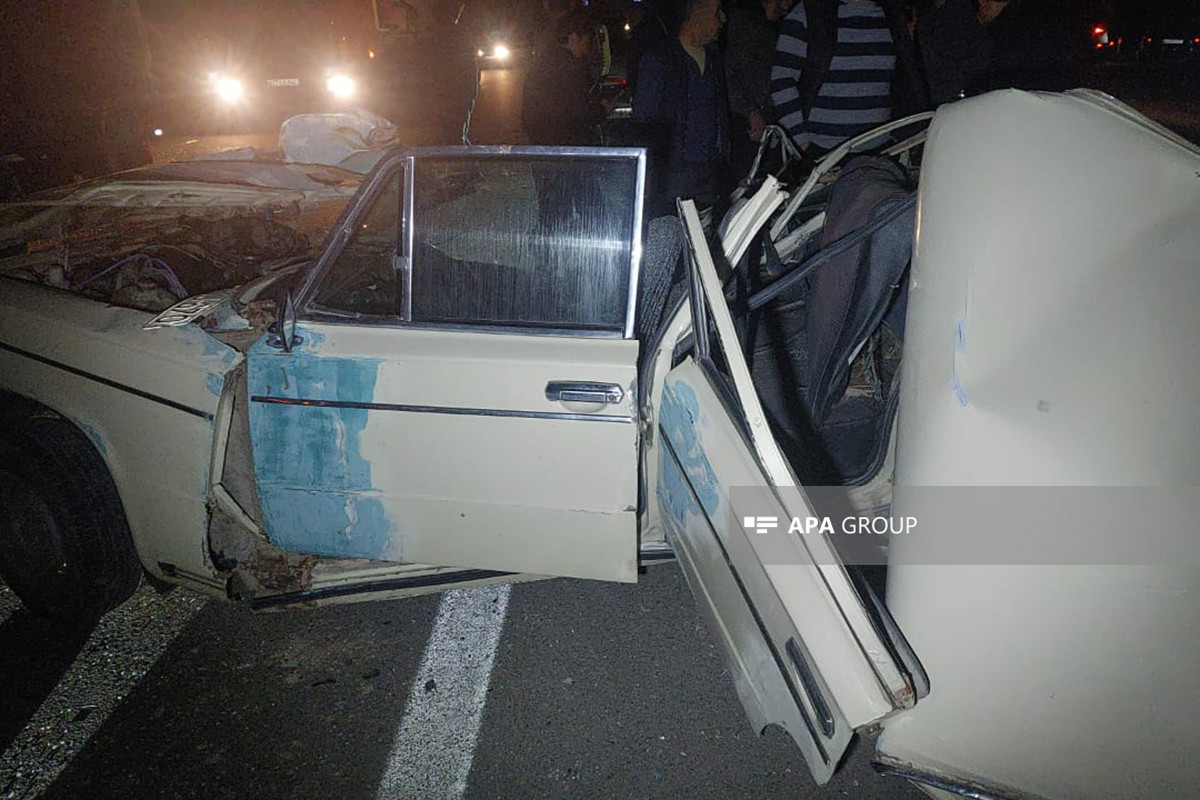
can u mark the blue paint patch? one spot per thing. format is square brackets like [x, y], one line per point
[94, 435]
[678, 416]
[214, 383]
[209, 349]
[674, 497]
[327, 523]
[312, 338]
[214, 348]
[315, 485]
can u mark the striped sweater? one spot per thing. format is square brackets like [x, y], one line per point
[856, 94]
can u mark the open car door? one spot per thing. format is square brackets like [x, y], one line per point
[458, 387]
[805, 652]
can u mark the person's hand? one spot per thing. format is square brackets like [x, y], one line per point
[990, 9]
[758, 125]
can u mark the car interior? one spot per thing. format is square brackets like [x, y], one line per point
[821, 327]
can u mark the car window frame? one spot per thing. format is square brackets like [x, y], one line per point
[404, 161]
[343, 233]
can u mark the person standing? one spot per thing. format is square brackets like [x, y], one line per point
[655, 25]
[682, 110]
[972, 46]
[559, 109]
[558, 106]
[749, 47]
[448, 57]
[843, 67]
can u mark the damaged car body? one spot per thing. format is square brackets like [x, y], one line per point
[483, 372]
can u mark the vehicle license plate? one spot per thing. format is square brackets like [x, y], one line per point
[283, 82]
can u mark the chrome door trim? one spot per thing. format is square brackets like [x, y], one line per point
[584, 392]
[891, 767]
[417, 409]
[405, 159]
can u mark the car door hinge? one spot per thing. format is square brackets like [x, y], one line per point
[646, 421]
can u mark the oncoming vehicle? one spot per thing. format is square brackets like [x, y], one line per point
[469, 385]
[225, 66]
[500, 50]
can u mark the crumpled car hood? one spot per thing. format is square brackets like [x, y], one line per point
[149, 237]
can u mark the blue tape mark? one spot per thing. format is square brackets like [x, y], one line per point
[960, 346]
[960, 392]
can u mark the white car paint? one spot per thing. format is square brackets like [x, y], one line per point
[150, 415]
[1057, 239]
[1060, 234]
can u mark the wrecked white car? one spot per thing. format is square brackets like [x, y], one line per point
[465, 385]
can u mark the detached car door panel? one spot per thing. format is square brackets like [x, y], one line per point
[460, 389]
[804, 651]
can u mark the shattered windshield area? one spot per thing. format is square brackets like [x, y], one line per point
[147, 239]
[362, 280]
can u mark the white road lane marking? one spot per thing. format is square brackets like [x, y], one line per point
[432, 753]
[115, 658]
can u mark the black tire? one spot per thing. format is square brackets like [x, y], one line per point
[65, 546]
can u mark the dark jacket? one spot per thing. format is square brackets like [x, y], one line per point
[1029, 46]
[558, 107]
[653, 28]
[749, 50]
[687, 138]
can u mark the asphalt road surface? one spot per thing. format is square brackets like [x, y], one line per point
[551, 689]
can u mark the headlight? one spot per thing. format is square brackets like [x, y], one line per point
[501, 53]
[229, 89]
[340, 85]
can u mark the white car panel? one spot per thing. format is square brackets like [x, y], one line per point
[146, 399]
[441, 447]
[1052, 340]
[806, 654]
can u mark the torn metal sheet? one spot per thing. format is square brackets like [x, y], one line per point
[151, 237]
[188, 311]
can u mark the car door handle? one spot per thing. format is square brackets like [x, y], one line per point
[584, 392]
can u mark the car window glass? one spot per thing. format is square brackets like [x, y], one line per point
[523, 241]
[362, 280]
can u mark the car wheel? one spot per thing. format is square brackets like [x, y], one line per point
[65, 546]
